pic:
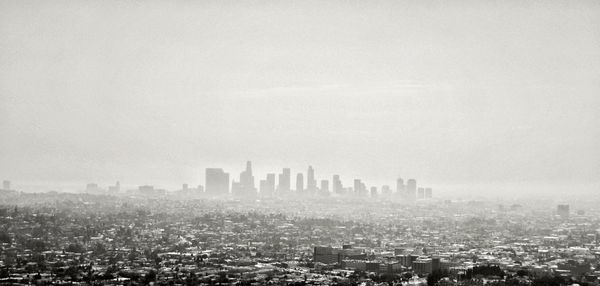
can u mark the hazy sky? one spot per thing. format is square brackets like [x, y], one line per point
[449, 92]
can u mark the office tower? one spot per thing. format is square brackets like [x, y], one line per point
[245, 186]
[267, 186]
[184, 187]
[246, 177]
[299, 183]
[262, 187]
[360, 188]
[563, 210]
[200, 189]
[311, 183]
[357, 186]
[6, 185]
[271, 183]
[385, 190]
[217, 181]
[428, 193]
[420, 193]
[400, 187]
[411, 189]
[324, 186]
[284, 181]
[337, 186]
[373, 192]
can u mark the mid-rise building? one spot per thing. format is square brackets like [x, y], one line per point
[563, 210]
[6, 185]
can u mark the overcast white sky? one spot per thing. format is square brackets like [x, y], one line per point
[449, 92]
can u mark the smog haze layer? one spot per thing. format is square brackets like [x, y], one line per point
[467, 96]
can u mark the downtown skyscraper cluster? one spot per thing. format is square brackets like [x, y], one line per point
[218, 183]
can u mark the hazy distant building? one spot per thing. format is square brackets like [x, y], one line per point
[148, 190]
[267, 186]
[217, 181]
[563, 210]
[360, 188]
[428, 193]
[299, 183]
[245, 186]
[115, 189]
[357, 186]
[400, 187]
[6, 185]
[373, 192]
[284, 181]
[311, 183]
[386, 190]
[420, 193]
[336, 185]
[411, 189]
[93, 188]
[325, 186]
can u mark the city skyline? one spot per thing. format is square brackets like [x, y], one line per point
[477, 95]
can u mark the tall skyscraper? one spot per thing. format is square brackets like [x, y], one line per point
[299, 183]
[311, 183]
[373, 192]
[267, 186]
[356, 186]
[400, 187]
[246, 184]
[420, 193]
[385, 190]
[217, 181]
[324, 186]
[284, 181]
[271, 183]
[428, 193]
[336, 184]
[411, 189]
[360, 188]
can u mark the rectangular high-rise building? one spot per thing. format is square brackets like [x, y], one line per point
[299, 183]
[400, 187]
[411, 189]
[284, 181]
[267, 186]
[324, 186]
[428, 193]
[217, 181]
[336, 184]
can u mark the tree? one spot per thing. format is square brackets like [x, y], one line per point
[435, 276]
